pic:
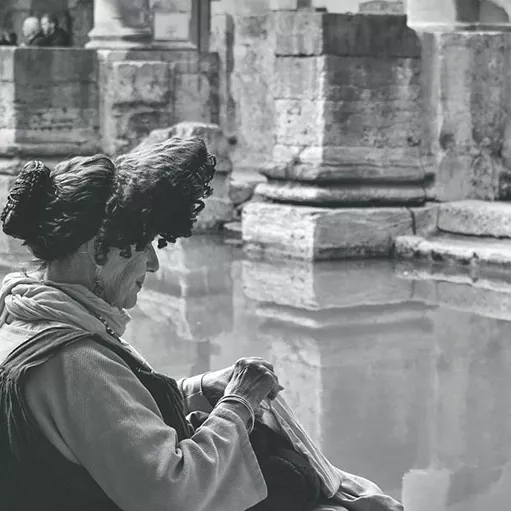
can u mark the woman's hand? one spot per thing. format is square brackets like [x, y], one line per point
[253, 380]
[215, 382]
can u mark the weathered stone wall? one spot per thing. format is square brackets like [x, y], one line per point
[56, 102]
[76, 16]
[466, 90]
[243, 34]
[146, 90]
[49, 104]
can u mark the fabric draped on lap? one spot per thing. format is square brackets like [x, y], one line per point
[291, 480]
[350, 491]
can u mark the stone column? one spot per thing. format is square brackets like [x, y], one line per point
[120, 24]
[466, 49]
[346, 156]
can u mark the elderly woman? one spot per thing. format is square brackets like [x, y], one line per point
[85, 424]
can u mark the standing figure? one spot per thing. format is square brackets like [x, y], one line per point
[32, 33]
[55, 35]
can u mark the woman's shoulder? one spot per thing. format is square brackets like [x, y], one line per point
[91, 353]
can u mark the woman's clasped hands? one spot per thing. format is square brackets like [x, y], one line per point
[251, 378]
[255, 380]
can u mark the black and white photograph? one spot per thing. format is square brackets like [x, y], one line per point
[255, 255]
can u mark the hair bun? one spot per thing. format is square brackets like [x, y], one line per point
[27, 200]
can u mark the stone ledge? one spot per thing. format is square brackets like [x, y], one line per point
[476, 218]
[314, 233]
[463, 250]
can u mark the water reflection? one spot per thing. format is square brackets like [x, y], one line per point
[400, 380]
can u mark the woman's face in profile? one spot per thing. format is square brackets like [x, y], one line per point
[123, 277]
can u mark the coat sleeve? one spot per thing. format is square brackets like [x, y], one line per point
[194, 399]
[89, 403]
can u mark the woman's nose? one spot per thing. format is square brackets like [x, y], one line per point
[153, 263]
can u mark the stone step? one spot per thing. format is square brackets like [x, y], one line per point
[470, 251]
[476, 218]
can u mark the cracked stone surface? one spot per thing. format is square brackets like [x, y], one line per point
[476, 218]
[314, 233]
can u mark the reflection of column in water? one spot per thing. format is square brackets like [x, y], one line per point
[297, 360]
[155, 337]
[453, 369]
[379, 377]
[426, 490]
[470, 447]
[426, 485]
[352, 347]
[242, 340]
[473, 410]
[189, 300]
[203, 361]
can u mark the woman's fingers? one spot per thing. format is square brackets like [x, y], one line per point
[255, 361]
[277, 387]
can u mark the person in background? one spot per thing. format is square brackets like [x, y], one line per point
[12, 38]
[32, 33]
[55, 35]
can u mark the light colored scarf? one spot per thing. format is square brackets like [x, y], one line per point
[29, 297]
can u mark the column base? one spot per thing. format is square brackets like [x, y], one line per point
[119, 38]
[342, 195]
[314, 233]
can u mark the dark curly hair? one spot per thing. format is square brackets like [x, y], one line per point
[157, 191]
